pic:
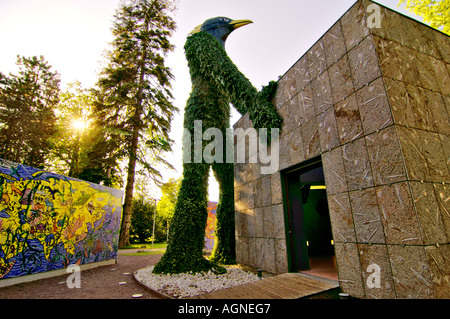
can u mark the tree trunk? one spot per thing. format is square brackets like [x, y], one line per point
[126, 216]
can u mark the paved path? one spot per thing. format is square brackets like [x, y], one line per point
[97, 283]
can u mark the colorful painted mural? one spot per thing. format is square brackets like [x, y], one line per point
[210, 226]
[49, 221]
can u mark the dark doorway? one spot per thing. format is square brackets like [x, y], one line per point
[310, 236]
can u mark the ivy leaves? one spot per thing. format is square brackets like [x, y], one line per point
[207, 59]
[216, 83]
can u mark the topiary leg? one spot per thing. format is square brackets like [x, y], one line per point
[187, 231]
[224, 248]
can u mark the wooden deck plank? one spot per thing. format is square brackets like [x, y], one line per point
[228, 293]
[285, 286]
[238, 292]
[299, 289]
[309, 281]
[248, 291]
[268, 289]
[311, 278]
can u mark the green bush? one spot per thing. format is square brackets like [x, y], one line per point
[142, 222]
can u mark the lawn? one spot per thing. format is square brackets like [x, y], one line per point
[146, 252]
[146, 246]
[157, 249]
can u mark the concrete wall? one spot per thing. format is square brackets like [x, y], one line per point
[49, 221]
[374, 103]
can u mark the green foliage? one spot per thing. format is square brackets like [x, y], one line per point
[166, 206]
[216, 83]
[104, 152]
[134, 91]
[146, 253]
[70, 143]
[141, 220]
[187, 230]
[434, 12]
[159, 246]
[134, 88]
[224, 245]
[27, 118]
[209, 62]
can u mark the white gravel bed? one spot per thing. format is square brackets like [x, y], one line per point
[188, 285]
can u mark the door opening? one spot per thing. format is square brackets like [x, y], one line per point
[310, 236]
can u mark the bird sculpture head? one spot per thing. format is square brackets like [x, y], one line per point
[220, 27]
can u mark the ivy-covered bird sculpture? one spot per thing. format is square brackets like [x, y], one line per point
[216, 82]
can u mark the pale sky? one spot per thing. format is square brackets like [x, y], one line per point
[72, 34]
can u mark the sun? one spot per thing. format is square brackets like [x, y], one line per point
[79, 124]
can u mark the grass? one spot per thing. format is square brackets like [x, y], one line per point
[146, 246]
[147, 252]
[157, 249]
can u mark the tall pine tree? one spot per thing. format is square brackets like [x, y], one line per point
[134, 90]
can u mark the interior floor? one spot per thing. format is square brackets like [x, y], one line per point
[323, 267]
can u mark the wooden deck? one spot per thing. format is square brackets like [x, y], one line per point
[285, 286]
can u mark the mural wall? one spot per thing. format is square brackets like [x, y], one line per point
[210, 234]
[49, 221]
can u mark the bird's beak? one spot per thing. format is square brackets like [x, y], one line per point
[196, 30]
[240, 23]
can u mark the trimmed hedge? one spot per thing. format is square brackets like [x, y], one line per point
[216, 82]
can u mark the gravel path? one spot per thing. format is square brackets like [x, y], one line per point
[99, 283]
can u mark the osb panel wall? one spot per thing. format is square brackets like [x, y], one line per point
[415, 63]
[260, 231]
[375, 104]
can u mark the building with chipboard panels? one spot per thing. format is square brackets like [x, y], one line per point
[364, 152]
